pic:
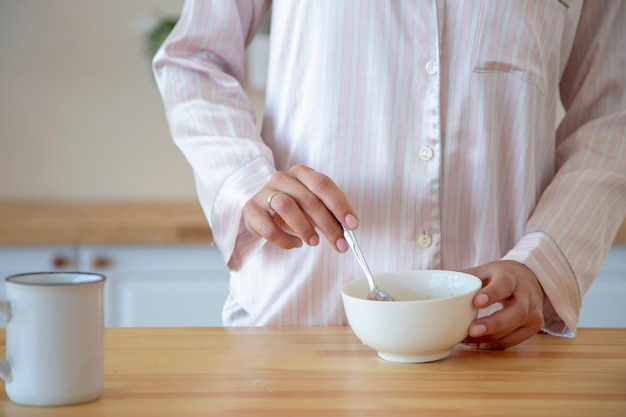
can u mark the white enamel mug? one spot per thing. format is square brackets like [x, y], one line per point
[55, 338]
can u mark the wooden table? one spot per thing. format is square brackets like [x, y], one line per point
[179, 372]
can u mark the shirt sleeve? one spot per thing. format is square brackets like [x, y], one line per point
[199, 71]
[578, 215]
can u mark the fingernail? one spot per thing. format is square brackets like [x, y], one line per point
[482, 299]
[342, 245]
[314, 240]
[351, 222]
[478, 330]
[467, 345]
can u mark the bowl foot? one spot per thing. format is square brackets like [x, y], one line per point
[430, 357]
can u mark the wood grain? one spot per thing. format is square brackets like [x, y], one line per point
[328, 372]
[55, 223]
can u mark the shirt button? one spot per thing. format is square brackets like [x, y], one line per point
[432, 67]
[426, 154]
[424, 241]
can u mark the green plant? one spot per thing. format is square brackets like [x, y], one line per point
[158, 33]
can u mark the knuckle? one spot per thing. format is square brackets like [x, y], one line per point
[279, 176]
[320, 182]
[269, 231]
[306, 229]
[246, 212]
[494, 327]
[310, 202]
[338, 207]
[299, 169]
[539, 322]
[280, 204]
[296, 168]
[508, 284]
[334, 229]
[520, 316]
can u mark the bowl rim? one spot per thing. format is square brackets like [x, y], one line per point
[429, 300]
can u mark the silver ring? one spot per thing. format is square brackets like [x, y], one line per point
[269, 199]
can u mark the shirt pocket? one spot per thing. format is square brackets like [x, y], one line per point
[520, 38]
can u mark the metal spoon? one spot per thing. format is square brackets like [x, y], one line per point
[375, 293]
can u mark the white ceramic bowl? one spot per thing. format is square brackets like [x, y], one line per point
[432, 313]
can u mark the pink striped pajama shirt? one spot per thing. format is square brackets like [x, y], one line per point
[436, 118]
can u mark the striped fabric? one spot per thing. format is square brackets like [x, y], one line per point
[437, 118]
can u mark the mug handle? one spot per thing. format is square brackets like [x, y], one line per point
[5, 366]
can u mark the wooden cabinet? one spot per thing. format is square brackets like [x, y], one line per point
[146, 285]
[33, 259]
[187, 285]
[160, 286]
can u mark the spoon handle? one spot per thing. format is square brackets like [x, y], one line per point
[349, 235]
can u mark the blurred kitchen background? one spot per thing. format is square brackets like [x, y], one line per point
[80, 116]
[90, 178]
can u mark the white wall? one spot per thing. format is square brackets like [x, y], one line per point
[80, 115]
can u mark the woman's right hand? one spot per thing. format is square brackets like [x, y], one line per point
[294, 204]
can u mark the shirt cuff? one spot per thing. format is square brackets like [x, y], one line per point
[230, 234]
[562, 306]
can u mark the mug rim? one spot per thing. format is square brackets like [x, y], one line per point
[95, 278]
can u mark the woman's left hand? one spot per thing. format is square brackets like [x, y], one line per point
[516, 287]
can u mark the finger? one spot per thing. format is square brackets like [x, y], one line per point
[279, 198]
[304, 211]
[260, 223]
[501, 322]
[480, 335]
[291, 218]
[506, 341]
[495, 289]
[481, 299]
[516, 313]
[516, 337]
[510, 284]
[332, 198]
[318, 204]
[325, 204]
